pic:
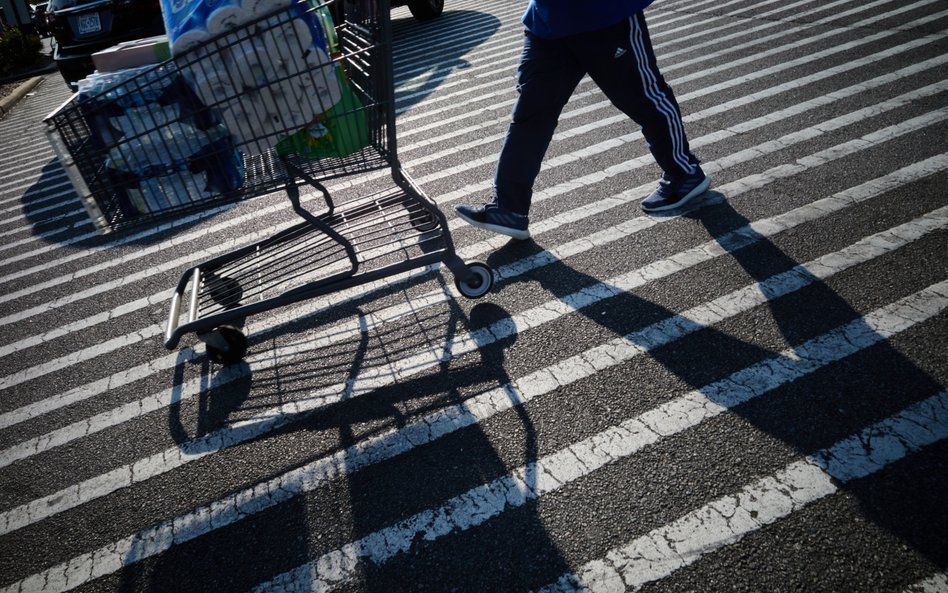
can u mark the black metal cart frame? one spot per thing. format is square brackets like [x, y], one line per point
[130, 163]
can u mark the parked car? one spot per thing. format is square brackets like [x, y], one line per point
[38, 18]
[423, 10]
[83, 27]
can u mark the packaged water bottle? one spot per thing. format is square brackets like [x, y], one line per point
[148, 196]
[135, 121]
[179, 141]
[183, 187]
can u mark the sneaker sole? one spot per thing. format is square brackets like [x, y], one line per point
[697, 191]
[502, 230]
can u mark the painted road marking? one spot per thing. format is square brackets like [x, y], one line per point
[726, 520]
[579, 366]
[742, 156]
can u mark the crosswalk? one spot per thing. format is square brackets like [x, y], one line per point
[748, 394]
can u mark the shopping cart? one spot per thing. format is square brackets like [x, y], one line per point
[222, 135]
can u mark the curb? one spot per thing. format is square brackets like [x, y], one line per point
[7, 103]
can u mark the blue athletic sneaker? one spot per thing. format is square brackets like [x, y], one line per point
[674, 193]
[494, 218]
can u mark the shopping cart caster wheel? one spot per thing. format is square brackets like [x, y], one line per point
[479, 284]
[226, 345]
[424, 221]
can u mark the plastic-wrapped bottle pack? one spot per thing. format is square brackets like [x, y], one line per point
[162, 147]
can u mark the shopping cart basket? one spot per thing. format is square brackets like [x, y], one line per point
[269, 104]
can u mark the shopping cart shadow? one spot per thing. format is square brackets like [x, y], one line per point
[373, 497]
[51, 206]
[54, 211]
[806, 415]
[473, 458]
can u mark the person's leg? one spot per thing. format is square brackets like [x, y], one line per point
[622, 63]
[546, 78]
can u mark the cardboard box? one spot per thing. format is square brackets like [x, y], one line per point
[132, 54]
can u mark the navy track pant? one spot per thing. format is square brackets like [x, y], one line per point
[621, 62]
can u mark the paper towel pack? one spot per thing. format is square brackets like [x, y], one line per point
[271, 84]
[279, 66]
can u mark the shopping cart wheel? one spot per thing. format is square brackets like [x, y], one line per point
[226, 345]
[423, 221]
[477, 285]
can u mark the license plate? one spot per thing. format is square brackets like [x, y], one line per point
[89, 23]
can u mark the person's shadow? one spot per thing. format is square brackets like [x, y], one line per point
[843, 398]
[808, 414]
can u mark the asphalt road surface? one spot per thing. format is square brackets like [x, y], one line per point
[749, 395]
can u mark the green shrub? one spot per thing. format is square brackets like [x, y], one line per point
[17, 49]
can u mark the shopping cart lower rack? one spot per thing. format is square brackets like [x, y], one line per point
[377, 236]
[286, 99]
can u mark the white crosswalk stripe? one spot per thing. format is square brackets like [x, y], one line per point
[654, 555]
[262, 496]
[935, 584]
[726, 521]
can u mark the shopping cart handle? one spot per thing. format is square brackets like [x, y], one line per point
[171, 340]
[171, 335]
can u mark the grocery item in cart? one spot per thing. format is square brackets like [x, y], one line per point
[132, 54]
[185, 22]
[271, 85]
[191, 23]
[161, 147]
[339, 132]
[174, 165]
[149, 94]
[225, 15]
[267, 79]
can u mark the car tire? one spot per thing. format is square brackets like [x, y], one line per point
[425, 10]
